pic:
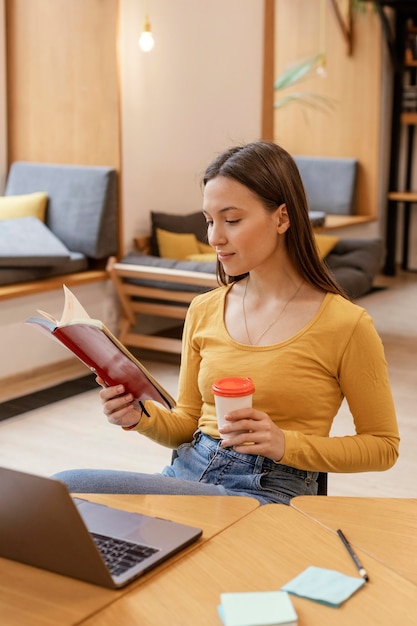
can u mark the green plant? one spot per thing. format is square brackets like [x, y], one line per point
[296, 73]
[360, 5]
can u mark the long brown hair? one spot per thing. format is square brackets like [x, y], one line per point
[271, 173]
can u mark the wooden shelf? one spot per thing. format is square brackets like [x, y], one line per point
[404, 118]
[403, 196]
[343, 221]
[409, 118]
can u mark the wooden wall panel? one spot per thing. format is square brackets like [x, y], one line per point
[352, 128]
[63, 86]
[267, 131]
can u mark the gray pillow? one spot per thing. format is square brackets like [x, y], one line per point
[317, 218]
[329, 183]
[136, 258]
[190, 223]
[27, 242]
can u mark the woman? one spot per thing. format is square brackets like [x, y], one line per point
[280, 319]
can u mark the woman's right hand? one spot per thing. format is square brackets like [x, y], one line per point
[118, 406]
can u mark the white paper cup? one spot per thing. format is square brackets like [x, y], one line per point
[230, 394]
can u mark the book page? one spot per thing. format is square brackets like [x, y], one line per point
[48, 316]
[72, 308]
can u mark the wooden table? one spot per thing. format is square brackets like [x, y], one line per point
[261, 552]
[385, 528]
[30, 596]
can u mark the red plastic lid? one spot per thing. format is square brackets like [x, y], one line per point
[233, 387]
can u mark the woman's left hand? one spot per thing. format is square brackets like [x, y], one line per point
[253, 432]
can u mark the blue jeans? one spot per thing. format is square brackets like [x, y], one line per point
[202, 467]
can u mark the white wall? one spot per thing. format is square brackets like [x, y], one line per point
[197, 92]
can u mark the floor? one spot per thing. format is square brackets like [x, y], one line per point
[73, 432]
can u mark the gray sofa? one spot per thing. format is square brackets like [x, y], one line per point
[79, 231]
[150, 287]
[330, 186]
[353, 262]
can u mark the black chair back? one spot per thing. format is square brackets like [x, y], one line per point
[322, 483]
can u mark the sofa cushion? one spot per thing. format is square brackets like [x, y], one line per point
[317, 218]
[190, 223]
[202, 256]
[355, 263]
[10, 275]
[26, 205]
[27, 242]
[329, 182]
[176, 245]
[136, 258]
[325, 243]
[82, 208]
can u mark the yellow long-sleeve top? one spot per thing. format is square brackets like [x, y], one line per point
[300, 383]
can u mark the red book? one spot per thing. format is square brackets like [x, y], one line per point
[96, 346]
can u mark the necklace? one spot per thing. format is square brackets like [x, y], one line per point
[274, 321]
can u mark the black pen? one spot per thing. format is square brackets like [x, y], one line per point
[361, 569]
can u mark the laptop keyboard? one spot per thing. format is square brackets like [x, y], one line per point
[120, 555]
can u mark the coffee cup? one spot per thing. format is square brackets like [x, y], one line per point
[230, 394]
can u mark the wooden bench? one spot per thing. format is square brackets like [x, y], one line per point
[138, 299]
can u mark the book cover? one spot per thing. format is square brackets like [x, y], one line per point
[98, 348]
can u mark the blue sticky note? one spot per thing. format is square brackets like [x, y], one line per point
[258, 608]
[323, 585]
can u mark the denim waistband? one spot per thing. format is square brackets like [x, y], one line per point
[261, 462]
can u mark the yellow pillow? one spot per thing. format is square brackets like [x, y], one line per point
[28, 205]
[203, 256]
[176, 245]
[205, 248]
[325, 244]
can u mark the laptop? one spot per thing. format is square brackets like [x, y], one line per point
[42, 525]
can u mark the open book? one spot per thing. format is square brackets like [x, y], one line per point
[96, 346]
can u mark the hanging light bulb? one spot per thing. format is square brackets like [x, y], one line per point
[321, 63]
[321, 66]
[146, 40]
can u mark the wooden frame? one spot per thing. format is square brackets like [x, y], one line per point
[137, 300]
[31, 287]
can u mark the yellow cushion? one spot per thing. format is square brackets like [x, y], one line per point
[205, 248]
[206, 253]
[203, 256]
[28, 205]
[176, 245]
[325, 244]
